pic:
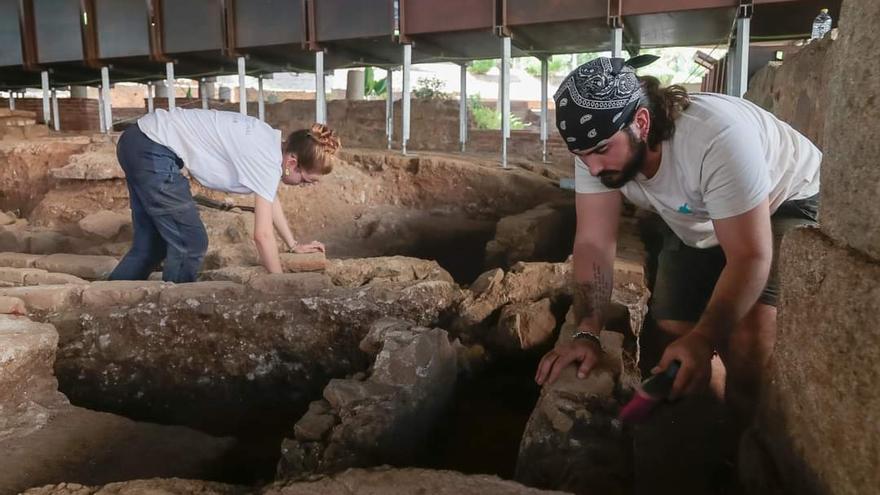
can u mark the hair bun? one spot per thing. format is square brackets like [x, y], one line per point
[325, 137]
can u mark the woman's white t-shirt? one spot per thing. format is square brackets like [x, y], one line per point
[225, 151]
[726, 156]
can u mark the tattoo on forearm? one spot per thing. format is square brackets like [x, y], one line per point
[592, 297]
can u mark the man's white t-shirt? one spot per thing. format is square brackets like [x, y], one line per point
[225, 151]
[726, 156]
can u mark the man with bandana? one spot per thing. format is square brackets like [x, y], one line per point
[728, 179]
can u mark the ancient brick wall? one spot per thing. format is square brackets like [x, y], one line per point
[77, 114]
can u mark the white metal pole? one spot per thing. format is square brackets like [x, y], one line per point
[108, 103]
[203, 93]
[56, 119]
[462, 109]
[101, 123]
[740, 74]
[617, 42]
[389, 107]
[150, 97]
[45, 79]
[169, 83]
[545, 76]
[242, 91]
[505, 98]
[261, 102]
[12, 100]
[407, 67]
[320, 95]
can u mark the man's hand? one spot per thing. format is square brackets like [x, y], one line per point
[585, 352]
[694, 351]
[312, 247]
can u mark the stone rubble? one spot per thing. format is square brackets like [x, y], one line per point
[383, 419]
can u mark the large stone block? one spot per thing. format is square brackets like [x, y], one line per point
[542, 233]
[120, 293]
[48, 242]
[850, 211]
[795, 91]
[12, 306]
[17, 275]
[105, 224]
[41, 277]
[360, 271]
[523, 326]
[27, 355]
[201, 292]
[290, 283]
[14, 241]
[818, 416]
[83, 266]
[46, 297]
[18, 260]
[573, 440]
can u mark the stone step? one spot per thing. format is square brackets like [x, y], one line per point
[27, 357]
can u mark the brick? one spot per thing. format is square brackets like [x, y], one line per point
[308, 262]
[290, 283]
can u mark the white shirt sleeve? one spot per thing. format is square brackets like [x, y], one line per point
[735, 176]
[584, 182]
[259, 171]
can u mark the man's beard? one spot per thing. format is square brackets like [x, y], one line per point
[639, 149]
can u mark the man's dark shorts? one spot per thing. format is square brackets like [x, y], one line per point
[686, 276]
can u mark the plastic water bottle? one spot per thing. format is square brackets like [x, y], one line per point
[821, 25]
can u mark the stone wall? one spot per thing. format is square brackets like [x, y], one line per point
[817, 430]
[796, 90]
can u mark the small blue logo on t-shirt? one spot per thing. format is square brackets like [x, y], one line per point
[685, 209]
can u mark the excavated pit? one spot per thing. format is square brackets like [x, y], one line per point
[244, 360]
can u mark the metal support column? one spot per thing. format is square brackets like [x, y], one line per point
[261, 102]
[107, 103]
[545, 76]
[45, 78]
[389, 107]
[56, 119]
[101, 123]
[462, 109]
[12, 100]
[150, 97]
[203, 93]
[739, 77]
[407, 67]
[320, 95]
[169, 83]
[617, 42]
[505, 98]
[242, 91]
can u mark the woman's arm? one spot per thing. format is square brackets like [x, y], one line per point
[280, 222]
[264, 236]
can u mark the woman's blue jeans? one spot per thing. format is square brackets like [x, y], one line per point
[164, 216]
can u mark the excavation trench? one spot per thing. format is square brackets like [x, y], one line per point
[249, 370]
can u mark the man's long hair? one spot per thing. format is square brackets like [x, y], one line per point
[665, 105]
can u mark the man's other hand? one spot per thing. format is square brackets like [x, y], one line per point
[582, 351]
[694, 351]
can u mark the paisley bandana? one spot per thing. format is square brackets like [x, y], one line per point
[598, 99]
